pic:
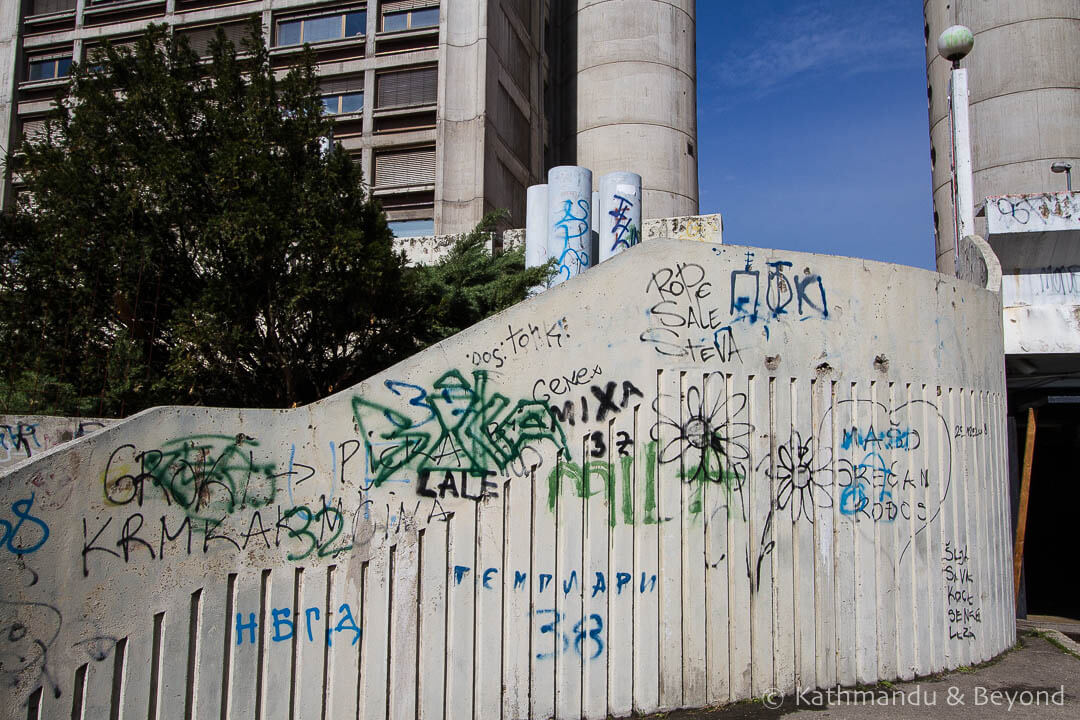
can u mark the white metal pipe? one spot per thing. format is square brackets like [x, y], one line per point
[569, 219]
[619, 212]
[536, 233]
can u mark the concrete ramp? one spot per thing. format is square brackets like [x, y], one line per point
[694, 474]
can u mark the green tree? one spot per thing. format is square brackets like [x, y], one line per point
[189, 236]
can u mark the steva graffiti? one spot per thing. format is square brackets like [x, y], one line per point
[693, 318]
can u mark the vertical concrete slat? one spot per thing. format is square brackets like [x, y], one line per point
[700, 467]
[845, 537]
[97, 692]
[541, 584]
[134, 700]
[461, 612]
[277, 683]
[647, 559]
[244, 643]
[717, 507]
[310, 644]
[375, 653]
[489, 611]
[671, 447]
[762, 536]
[866, 541]
[176, 631]
[404, 627]
[627, 464]
[214, 626]
[568, 581]
[887, 553]
[784, 597]
[805, 476]
[737, 414]
[434, 562]
[515, 578]
[599, 511]
[908, 640]
[343, 655]
[823, 413]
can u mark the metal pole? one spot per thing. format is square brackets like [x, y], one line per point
[964, 193]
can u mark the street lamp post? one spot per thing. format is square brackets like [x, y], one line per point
[953, 44]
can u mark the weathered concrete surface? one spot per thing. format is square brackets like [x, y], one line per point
[1037, 240]
[1041, 680]
[25, 436]
[690, 475]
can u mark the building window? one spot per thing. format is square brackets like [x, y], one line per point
[409, 15]
[343, 103]
[407, 88]
[341, 25]
[45, 7]
[200, 38]
[48, 67]
[341, 95]
[403, 168]
[412, 228]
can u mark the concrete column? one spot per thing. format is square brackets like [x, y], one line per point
[536, 234]
[569, 219]
[618, 213]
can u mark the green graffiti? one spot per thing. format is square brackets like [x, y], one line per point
[206, 476]
[606, 483]
[466, 427]
[580, 480]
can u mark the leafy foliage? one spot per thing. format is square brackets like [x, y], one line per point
[189, 236]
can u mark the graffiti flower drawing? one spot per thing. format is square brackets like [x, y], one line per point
[710, 437]
[797, 488]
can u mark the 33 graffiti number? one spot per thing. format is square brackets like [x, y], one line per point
[590, 627]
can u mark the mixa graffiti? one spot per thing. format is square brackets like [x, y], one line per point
[458, 431]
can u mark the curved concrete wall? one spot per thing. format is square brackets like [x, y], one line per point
[636, 97]
[1024, 80]
[694, 473]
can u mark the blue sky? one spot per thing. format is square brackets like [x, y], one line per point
[812, 126]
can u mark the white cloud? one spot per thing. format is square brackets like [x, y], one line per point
[813, 37]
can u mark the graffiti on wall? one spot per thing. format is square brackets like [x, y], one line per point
[700, 317]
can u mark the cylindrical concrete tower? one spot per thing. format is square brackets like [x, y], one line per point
[1024, 80]
[630, 96]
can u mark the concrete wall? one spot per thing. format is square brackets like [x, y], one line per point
[26, 436]
[1024, 79]
[694, 473]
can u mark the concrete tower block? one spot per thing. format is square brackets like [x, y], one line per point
[1024, 80]
[633, 100]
